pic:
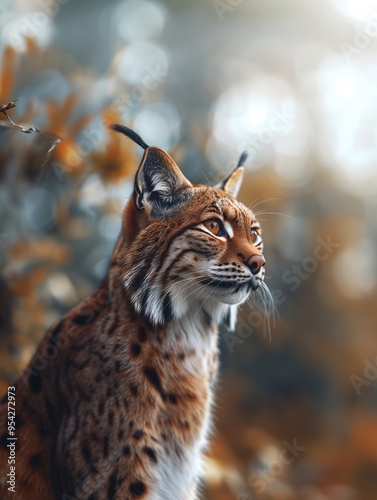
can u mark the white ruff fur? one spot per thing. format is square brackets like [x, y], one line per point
[175, 476]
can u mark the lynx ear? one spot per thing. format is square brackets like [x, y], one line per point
[232, 183]
[159, 184]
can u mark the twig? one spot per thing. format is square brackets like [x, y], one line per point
[28, 130]
[10, 105]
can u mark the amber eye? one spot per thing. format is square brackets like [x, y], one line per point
[254, 235]
[214, 226]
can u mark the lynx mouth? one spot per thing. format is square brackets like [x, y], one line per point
[254, 283]
[234, 286]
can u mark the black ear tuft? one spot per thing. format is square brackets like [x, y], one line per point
[242, 159]
[129, 133]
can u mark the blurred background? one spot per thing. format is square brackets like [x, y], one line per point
[294, 83]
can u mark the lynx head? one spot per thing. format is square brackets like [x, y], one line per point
[187, 245]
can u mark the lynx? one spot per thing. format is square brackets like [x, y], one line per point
[116, 402]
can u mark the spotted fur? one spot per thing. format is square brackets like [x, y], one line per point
[116, 402]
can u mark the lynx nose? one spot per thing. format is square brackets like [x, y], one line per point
[255, 263]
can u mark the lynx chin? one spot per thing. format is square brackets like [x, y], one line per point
[116, 401]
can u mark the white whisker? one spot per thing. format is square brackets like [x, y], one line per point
[265, 299]
[257, 202]
[257, 214]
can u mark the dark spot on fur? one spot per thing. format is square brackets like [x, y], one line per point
[109, 392]
[151, 453]
[131, 424]
[136, 349]
[50, 350]
[134, 389]
[117, 365]
[86, 452]
[137, 281]
[153, 378]
[86, 318]
[142, 334]
[35, 460]
[35, 382]
[137, 488]
[101, 407]
[121, 434]
[167, 308]
[112, 487]
[138, 434]
[172, 398]
[126, 450]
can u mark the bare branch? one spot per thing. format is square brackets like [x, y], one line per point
[28, 130]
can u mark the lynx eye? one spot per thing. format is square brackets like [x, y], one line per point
[215, 226]
[255, 238]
